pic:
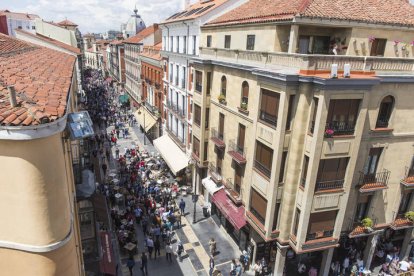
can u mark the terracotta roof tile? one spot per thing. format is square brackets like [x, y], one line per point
[41, 78]
[67, 23]
[196, 10]
[19, 15]
[399, 12]
[142, 34]
[52, 41]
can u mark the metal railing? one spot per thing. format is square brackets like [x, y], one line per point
[262, 168]
[329, 185]
[379, 178]
[321, 235]
[198, 87]
[215, 172]
[339, 128]
[409, 172]
[217, 134]
[233, 146]
[382, 122]
[268, 118]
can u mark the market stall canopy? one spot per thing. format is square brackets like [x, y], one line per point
[210, 185]
[87, 187]
[175, 158]
[234, 214]
[145, 118]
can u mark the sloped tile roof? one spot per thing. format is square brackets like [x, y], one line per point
[196, 10]
[18, 15]
[52, 41]
[41, 78]
[67, 23]
[142, 34]
[395, 12]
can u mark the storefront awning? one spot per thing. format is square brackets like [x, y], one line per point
[107, 263]
[175, 158]
[145, 118]
[210, 185]
[234, 214]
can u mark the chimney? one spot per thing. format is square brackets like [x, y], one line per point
[12, 96]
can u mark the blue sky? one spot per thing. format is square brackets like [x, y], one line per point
[96, 15]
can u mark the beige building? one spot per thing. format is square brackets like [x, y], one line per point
[40, 228]
[303, 127]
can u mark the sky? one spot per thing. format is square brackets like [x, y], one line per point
[96, 15]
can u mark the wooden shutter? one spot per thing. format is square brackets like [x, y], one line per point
[259, 203]
[221, 123]
[241, 137]
[324, 221]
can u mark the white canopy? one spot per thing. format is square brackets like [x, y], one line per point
[210, 185]
[175, 158]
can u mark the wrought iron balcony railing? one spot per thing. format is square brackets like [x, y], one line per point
[339, 128]
[329, 185]
[375, 181]
[217, 138]
[237, 152]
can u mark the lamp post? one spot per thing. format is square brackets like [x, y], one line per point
[195, 196]
[139, 112]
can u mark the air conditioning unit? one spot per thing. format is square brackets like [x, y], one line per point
[334, 71]
[347, 70]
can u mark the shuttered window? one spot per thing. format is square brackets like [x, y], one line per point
[197, 114]
[263, 158]
[258, 206]
[196, 146]
[320, 222]
[269, 107]
[241, 137]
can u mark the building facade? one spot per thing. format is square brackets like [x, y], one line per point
[295, 156]
[41, 227]
[134, 25]
[10, 21]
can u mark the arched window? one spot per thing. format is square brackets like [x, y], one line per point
[223, 86]
[385, 111]
[245, 95]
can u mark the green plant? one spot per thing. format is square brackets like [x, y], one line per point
[243, 105]
[221, 98]
[409, 215]
[367, 222]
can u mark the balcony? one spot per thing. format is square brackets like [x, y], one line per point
[373, 182]
[262, 168]
[329, 185]
[319, 235]
[401, 222]
[153, 109]
[237, 153]
[215, 174]
[217, 138]
[308, 62]
[267, 118]
[232, 193]
[339, 128]
[408, 180]
[357, 229]
[178, 140]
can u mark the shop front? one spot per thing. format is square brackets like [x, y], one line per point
[231, 217]
[175, 158]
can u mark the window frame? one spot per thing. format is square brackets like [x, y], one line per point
[255, 198]
[250, 42]
[227, 41]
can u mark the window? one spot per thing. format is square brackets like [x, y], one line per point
[290, 111]
[177, 49]
[241, 138]
[314, 111]
[258, 206]
[221, 126]
[405, 202]
[227, 41]
[305, 171]
[208, 83]
[196, 146]
[269, 106]
[321, 45]
[385, 111]
[263, 159]
[245, 95]
[171, 43]
[177, 70]
[321, 225]
[296, 222]
[209, 41]
[378, 47]
[275, 216]
[363, 205]
[185, 44]
[199, 82]
[223, 86]
[183, 79]
[219, 162]
[205, 151]
[33, 27]
[194, 44]
[237, 178]
[250, 42]
[282, 167]
[207, 117]
[197, 114]
[371, 164]
[342, 116]
[331, 174]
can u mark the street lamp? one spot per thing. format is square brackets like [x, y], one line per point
[195, 196]
[139, 113]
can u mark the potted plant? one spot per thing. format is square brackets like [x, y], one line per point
[409, 215]
[243, 106]
[329, 133]
[222, 99]
[367, 223]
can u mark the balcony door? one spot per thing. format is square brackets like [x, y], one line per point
[221, 126]
[237, 178]
[304, 42]
[240, 139]
[364, 202]
[372, 162]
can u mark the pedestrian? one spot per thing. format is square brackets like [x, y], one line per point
[131, 264]
[178, 219]
[180, 249]
[211, 265]
[212, 244]
[117, 133]
[138, 214]
[168, 251]
[157, 247]
[144, 262]
[182, 207]
[150, 246]
[117, 153]
[257, 268]
[233, 267]
[104, 168]
[238, 269]
[107, 154]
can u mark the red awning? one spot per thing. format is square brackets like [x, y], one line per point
[107, 263]
[234, 214]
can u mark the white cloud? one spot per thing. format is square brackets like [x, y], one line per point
[103, 15]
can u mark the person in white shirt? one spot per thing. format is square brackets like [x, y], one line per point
[404, 265]
[168, 251]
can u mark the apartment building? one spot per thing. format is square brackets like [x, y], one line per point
[117, 61]
[11, 21]
[40, 229]
[180, 40]
[302, 128]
